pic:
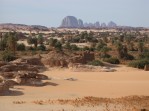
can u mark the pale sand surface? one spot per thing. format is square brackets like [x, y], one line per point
[125, 82]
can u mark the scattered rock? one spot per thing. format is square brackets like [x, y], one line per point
[71, 79]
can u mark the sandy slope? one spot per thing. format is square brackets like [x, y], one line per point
[124, 82]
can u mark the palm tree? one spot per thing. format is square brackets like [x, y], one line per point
[35, 42]
[30, 40]
[40, 39]
[119, 47]
[58, 46]
[140, 46]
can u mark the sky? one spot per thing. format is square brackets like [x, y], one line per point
[51, 12]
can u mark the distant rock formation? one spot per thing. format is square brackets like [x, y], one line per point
[73, 22]
[103, 25]
[112, 24]
[69, 22]
[80, 23]
[10, 26]
[97, 25]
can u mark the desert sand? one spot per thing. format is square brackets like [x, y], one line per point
[126, 82]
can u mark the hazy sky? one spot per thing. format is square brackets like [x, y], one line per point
[51, 12]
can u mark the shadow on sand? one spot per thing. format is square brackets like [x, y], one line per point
[110, 65]
[50, 83]
[13, 93]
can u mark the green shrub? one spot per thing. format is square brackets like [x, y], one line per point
[74, 47]
[95, 63]
[8, 56]
[139, 63]
[41, 47]
[21, 47]
[30, 48]
[104, 56]
[144, 55]
[128, 57]
[112, 60]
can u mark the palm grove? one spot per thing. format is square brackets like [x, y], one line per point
[125, 47]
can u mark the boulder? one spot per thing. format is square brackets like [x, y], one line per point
[8, 68]
[29, 78]
[35, 82]
[1, 79]
[41, 76]
[10, 82]
[29, 61]
[8, 75]
[20, 67]
[5, 85]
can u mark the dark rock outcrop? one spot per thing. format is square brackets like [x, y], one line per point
[30, 78]
[70, 22]
[25, 71]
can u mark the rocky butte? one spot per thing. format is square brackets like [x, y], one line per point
[73, 22]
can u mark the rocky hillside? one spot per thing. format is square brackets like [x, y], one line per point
[10, 26]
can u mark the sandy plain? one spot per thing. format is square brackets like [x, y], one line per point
[127, 89]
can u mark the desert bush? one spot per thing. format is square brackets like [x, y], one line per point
[139, 63]
[95, 63]
[104, 56]
[144, 55]
[41, 47]
[128, 57]
[112, 60]
[21, 47]
[74, 47]
[8, 56]
[88, 48]
[30, 48]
